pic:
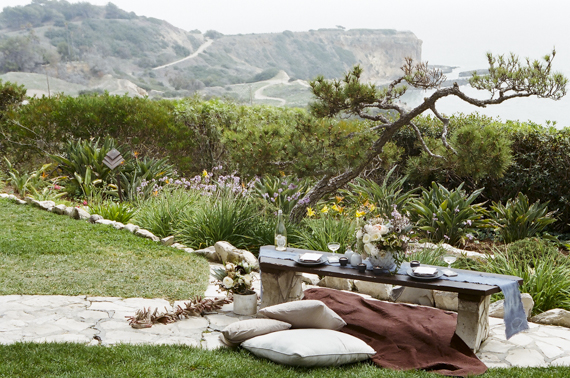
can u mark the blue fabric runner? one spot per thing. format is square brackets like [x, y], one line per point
[514, 315]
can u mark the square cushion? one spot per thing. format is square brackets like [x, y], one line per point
[238, 332]
[305, 314]
[309, 347]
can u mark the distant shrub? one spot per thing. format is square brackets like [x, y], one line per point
[264, 75]
[212, 34]
[517, 219]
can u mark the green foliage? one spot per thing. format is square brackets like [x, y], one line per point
[140, 124]
[518, 220]
[383, 196]
[222, 216]
[141, 177]
[315, 234]
[546, 273]
[23, 183]
[283, 192]
[162, 214]
[115, 211]
[448, 215]
[483, 151]
[11, 94]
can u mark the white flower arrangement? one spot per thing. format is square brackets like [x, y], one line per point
[234, 278]
[378, 238]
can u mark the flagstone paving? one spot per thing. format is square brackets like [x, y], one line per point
[101, 321]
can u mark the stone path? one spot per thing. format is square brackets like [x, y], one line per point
[101, 320]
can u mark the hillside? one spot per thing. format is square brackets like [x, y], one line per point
[81, 43]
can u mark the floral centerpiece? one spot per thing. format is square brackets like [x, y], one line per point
[235, 278]
[385, 241]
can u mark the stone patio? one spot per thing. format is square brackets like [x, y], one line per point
[101, 320]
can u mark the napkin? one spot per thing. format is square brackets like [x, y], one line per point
[310, 257]
[424, 271]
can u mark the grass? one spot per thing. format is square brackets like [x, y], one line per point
[49, 254]
[73, 360]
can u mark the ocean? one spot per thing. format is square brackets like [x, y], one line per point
[532, 109]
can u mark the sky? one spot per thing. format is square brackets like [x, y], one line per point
[454, 33]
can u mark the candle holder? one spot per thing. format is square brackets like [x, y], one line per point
[414, 264]
[343, 261]
[361, 268]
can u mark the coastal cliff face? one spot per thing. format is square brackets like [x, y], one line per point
[305, 55]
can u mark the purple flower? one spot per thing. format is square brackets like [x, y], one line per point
[265, 195]
[292, 187]
[469, 236]
[446, 237]
[280, 190]
[275, 195]
[469, 222]
[457, 209]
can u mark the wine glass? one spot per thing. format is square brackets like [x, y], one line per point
[449, 259]
[333, 246]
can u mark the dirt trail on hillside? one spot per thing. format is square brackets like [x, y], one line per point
[202, 47]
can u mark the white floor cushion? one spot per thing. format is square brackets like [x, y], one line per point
[309, 347]
[305, 314]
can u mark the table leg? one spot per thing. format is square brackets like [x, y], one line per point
[473, 319]
[280, 287]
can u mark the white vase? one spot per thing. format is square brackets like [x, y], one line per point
[355, 259]
[245, 304]
[385, 260]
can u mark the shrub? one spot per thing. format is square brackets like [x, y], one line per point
[448, 215]
[222, 216]
[546, 273]
[115, 211]
[317, 233]
[517, 219]
[163, 214]
[142, 177]
[283, 192]
[383, 196]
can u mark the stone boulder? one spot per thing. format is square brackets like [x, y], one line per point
[119, 225]
[167, 241]
[146, 234]
[4, 195]
[132, 228]
[46, 205]
[79, 214]
[94, 218]
[19, 201]
[497, 309]
[59, 209]
[336, 283]
[69, 211]
[105, 222]
[310, 279]
[555, 317]
[31, 201]
[374, 289]
[403, 294]
[209, 253]
[446, 300]
[228, 253]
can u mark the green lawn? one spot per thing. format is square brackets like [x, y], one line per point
[45, 253]
[73, 360]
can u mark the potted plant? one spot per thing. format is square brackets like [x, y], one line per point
[236, 280]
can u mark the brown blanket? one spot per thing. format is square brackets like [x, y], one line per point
[404, 337]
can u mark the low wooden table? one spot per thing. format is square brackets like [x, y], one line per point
[281, 282]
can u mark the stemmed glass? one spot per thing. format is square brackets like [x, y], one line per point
[333, 246]
[449, 259]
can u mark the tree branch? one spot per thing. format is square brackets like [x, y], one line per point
[445, 122]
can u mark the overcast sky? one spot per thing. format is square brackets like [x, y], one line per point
[453, 32]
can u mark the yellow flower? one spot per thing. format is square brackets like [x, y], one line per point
[339, 199]
[338, 209]
[205, 173]
[155, 193]
[325, 209]
[44, 174]
[167, 181]
[371, 207]
[310, 212]
[360, 213]
[136, 154]
[282, 173]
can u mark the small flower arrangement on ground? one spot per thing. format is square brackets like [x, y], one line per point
[235, 278]
[385, 241]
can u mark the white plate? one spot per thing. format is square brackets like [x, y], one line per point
[310, 263]
[437, 275]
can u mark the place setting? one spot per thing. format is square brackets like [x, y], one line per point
[429, 272]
